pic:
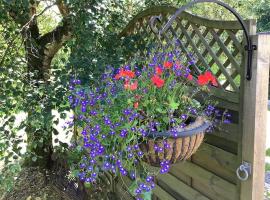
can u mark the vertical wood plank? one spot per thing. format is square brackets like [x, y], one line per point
[254, 116]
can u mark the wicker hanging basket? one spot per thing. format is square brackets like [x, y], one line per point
[180, 148]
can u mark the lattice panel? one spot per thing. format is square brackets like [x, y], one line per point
[218, 50]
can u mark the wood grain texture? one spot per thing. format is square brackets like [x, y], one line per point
[215, 185]
[178, 188]
[254, 116]
[216, 160]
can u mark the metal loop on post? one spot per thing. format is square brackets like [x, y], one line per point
[249, 47]
[245, 168]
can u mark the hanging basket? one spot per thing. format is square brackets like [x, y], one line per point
[162, 146]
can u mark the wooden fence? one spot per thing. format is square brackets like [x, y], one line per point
[217, 46]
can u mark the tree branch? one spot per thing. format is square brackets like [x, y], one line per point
[63, 8]
[57, 34]
[34, 17]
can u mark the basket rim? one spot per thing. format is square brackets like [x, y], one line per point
[201, 128]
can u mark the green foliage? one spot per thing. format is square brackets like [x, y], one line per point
[263, 12]
[96, 27]
[267, 166]
[94, 45]
[268, 152]
[8, 176]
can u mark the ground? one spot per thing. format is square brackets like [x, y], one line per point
[37, 184]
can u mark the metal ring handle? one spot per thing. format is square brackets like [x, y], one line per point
[242, 168]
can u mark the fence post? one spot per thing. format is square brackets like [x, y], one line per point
[254, 96]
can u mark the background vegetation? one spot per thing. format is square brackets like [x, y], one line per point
[43, 43]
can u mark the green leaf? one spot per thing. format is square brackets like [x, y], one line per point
[165, 120]
[160, 110]
[87, 185]
[147, 195]
[172, 104]
[75, 173]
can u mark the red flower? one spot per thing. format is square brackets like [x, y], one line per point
[214, 82]
[168, 64]
[211, 78]
[158, 70]
[136, 105]
[202, 80]
[207, 77]
[190, 77]
[157, 81]
[125, 73]
[131, 86]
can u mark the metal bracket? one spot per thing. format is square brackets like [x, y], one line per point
[244, 171]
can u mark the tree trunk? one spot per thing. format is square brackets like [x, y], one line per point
[39, 141]
[39, 53]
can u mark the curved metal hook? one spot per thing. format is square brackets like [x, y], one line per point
[153, 21]
[250, 47]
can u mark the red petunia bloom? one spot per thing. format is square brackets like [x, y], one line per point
[131, 86]
[136, 105]
[125, 73]
[208, 75]
[168, 64]
[190, 77]
[206, 78]
[158, 70]
[202, 80]
[157, 81]
[214, 82]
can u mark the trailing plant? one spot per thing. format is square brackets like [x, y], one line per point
[116, 116]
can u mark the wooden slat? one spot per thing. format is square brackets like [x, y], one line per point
[125, 182]
[169, 41]
[218, 186]
[221, 67]
[188, 41]
[193, 45]
[228, 131]
[232, 97]
[179, 188]
[222, 143]
[122, 188]
[227, 105]
[205, 51]
[219, 52]
[156, 10]
[235, 73]
[236, 42]
[216, 160]
[207, 191]
[225, 50]
[162, 194]
[185, 178]
[183, 47]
